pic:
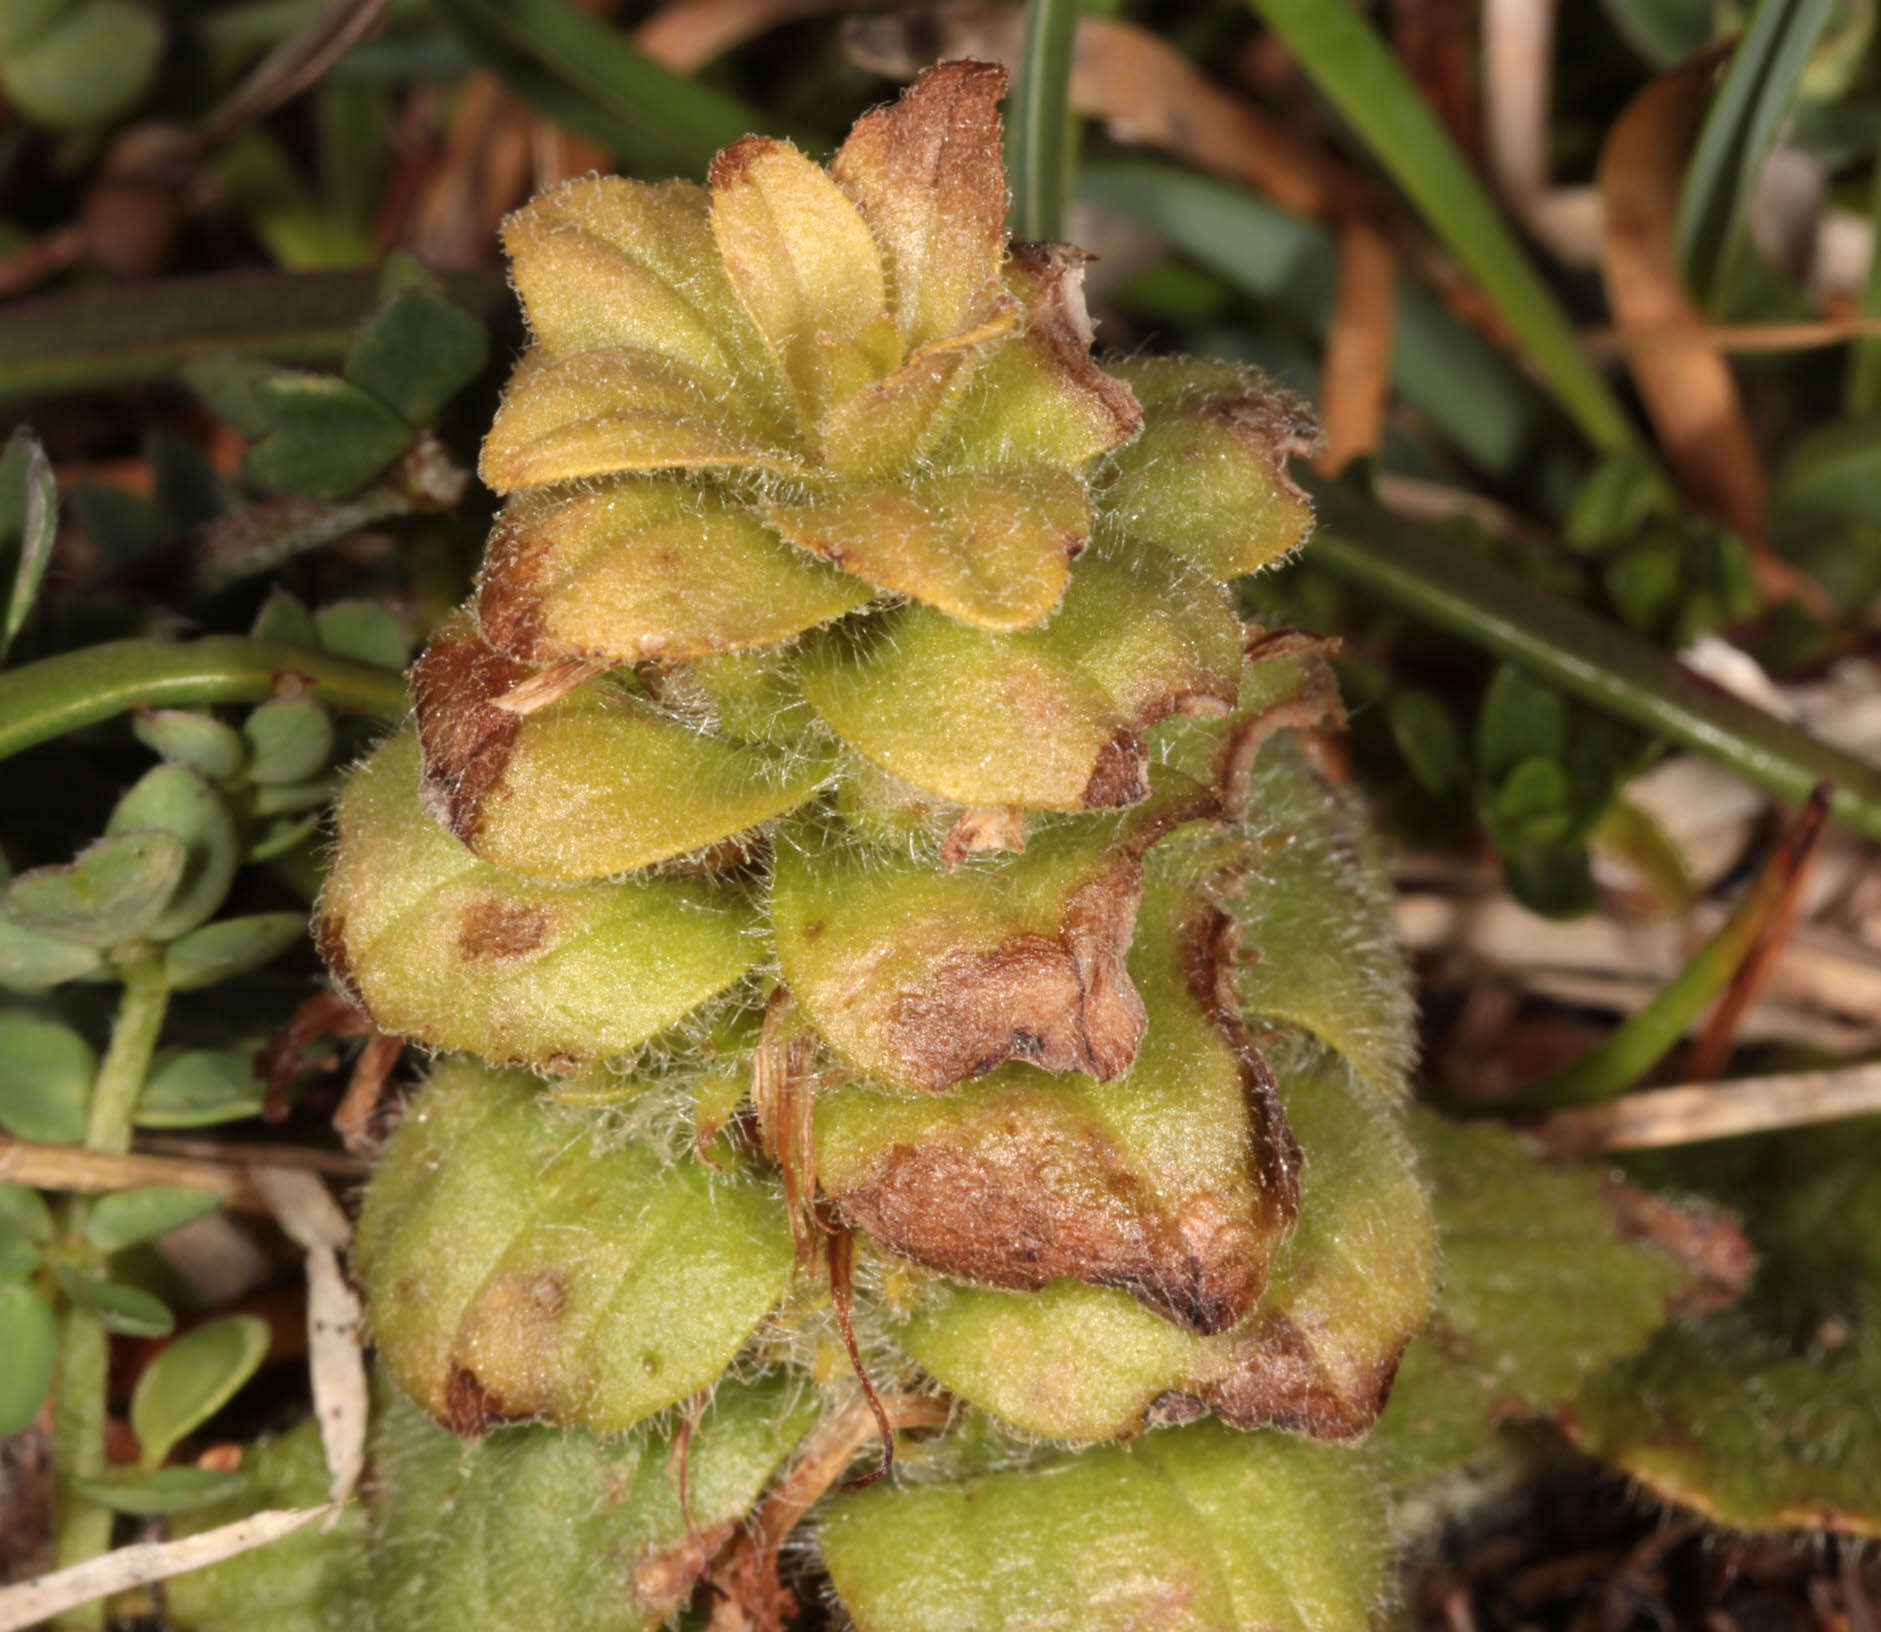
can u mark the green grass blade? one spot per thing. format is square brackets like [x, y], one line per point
[106, 338]
[1746, 116]
[1042, 137]
[1423, 573]
[1462, 384]
[591, 78]
[1361, 78]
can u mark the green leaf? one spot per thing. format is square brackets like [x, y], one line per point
[1833, 470]
[115, 891]
[290, 738]
[313, 1580]
[200, 741]
[442, 946]
[587, 76]
[157, 1494]
[117, 1307]
[1556, 881]
[1664, 32]
[1349, 1289]
[1423, 573]
[448, 1551]
[221, 951]
[91, 65]
[31, 962]
[1530, 809]
[1196, 1527]
[1370, 88]
[416, 352]
[364, 631]
[29, 522]
[46, 1071]
[19, 1258]
[1539, 1291]
[23, 1211]
[175, 800]
[32, 1336]
[951, 709]
[201, 1087]
[1520, 719]
[125, 1217]
[1042, 135]
[1747, 115]
[1316, 917]
[1764, 1416]
[1431, 744]
[516, 1265]
[326, 438]
[192, 1379]
[1613, 503]
[229, 386]
[284, 617]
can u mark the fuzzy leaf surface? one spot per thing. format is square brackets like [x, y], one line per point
[637, 568]
[450, 950]
[1053, 717]
[596, 784]
[604, 1547]
[312, 1580]
[1207, 477]
[1348, 1290]
[1175, 1182]
[924, 976]
[1197, 1529]
[518, 1266]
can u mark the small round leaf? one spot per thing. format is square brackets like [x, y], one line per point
[31, 1336]
[199, 741]
[114, 891]
[119, 1308]
[220, 951]
[128, 1216]
[200, 1087]
[45, 1078]
[291, 738]
[177, 801]
[192, 1379]
[168, 1490]
[23, 1212]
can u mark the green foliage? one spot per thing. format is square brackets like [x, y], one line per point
[519, 1265]
[1192, 1527]
[192, 1379]
[45, 1078]
[1498, 1345]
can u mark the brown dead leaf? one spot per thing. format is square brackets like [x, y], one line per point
[1688, 388]
[1355, 382]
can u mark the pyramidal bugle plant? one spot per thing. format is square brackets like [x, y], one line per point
[899, 977]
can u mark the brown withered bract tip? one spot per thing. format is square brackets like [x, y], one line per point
[467, 740]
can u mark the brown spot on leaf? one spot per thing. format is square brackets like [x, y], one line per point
[1316, 704]
[1705, 1241]
[495, 928]
[1278, 1381]
[1062, 1003]
[509, 602]
[1211, 944]
[470, 1409]
[467, 739]
[1019, 1209]
[1120, 774]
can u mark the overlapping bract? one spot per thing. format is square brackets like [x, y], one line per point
[852, 711]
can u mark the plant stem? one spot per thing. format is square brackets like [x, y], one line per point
[60, 694]
[83, 1527]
